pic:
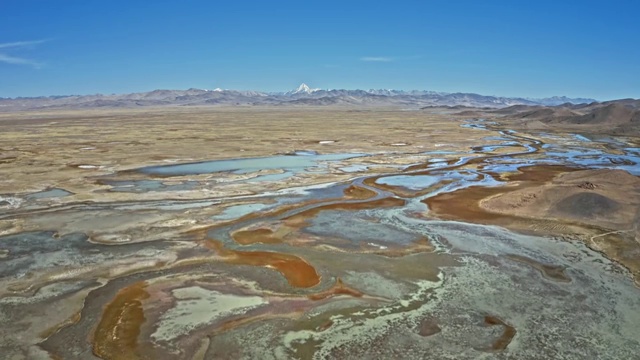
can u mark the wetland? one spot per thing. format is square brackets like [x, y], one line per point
[231, 233]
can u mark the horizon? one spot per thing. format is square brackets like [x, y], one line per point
[525, 50]
[312, 88]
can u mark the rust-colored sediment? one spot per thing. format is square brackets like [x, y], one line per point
[202, 231]
[116, 336]
[300, 219]
[244, 320]
[505, 339]
[464, 204]
[353, 192]
[70, 321]
[298, 272]
[358, 192]
[372, 181]
[234, 323]
[540, 173]
[339, 288]
[553, 272]
[248, 237]
[429, 326]
[621, 247]
[327, 324]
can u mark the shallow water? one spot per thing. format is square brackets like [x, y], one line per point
[354, 168]
[287, 163]
[335, 270]
[358, 228]
[237, 211]
[48, 194]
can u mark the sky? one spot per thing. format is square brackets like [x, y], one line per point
[507, 48]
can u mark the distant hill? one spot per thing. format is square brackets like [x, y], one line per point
[613, 113]
[559, 100]
[515, 109]
[302, 96]
[617, 116]
[547, 113]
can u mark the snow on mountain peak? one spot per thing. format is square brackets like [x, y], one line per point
[304, 88]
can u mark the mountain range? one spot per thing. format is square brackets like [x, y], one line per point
[302, 96]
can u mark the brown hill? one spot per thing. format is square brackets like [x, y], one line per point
[515, 109]
[615, 117]
[586, 205]
[632, 103]
[614, 114]
[547, 114]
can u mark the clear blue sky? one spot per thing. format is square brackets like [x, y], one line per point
[511, 48]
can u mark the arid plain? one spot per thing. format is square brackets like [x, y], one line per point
[276, 233]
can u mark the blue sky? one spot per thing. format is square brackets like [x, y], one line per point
[511, 48]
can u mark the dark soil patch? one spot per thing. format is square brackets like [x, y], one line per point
[587, 205]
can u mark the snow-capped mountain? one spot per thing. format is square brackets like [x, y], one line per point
[302, 89]
[302, 96]
[559, 100]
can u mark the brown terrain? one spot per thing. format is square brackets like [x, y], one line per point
[600, 206]
[341, 257]
[621, 117]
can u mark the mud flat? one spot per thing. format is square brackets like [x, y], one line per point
[333, 234]
[602, 207]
